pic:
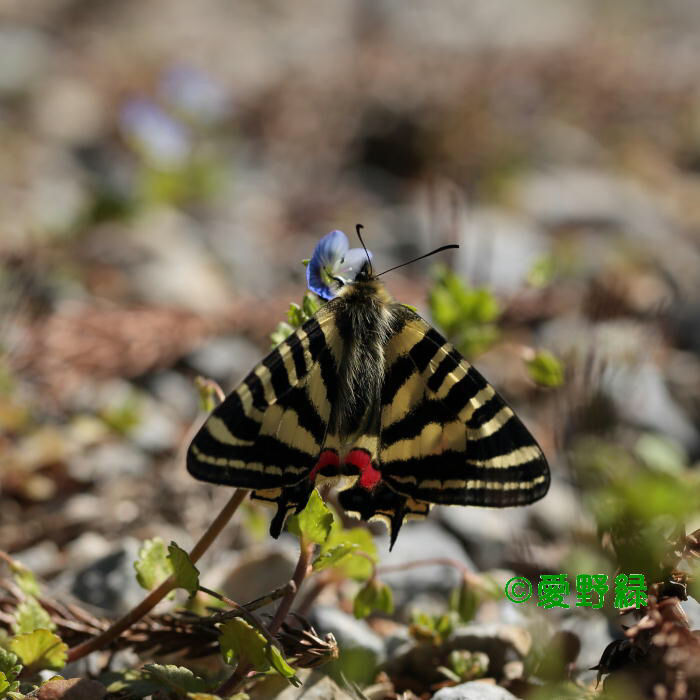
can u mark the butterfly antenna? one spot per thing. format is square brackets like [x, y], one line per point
[420, 257]
[358, 227]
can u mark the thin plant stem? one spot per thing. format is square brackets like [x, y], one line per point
[468, 575]
[305, 552]
[240, 611]
[434, 561]
[231, 684]
[270, 597]
[156, 595]
[319, 585]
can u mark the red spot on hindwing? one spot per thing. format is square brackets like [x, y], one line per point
[327, 458]
[362, 460]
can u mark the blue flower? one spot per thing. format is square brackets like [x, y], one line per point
[162, 140]
[194, 94]
[333, 264]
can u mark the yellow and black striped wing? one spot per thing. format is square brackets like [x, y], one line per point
[269, 431]
[446, 436]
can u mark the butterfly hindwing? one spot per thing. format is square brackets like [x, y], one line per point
[269, 431]
[382, 503]
[446, 436]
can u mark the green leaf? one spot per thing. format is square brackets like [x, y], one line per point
[295, 316]
[282, 332]
[418, 617]
[279, 663]
[333, 556]
[542, 272]
[314, 522]
[449, 674]
[10, 668]
[175, 678]
[468, 665]
[385, 603]
[466, 313]
[660, 453]
[30, 616]
[40, 649]
[310, 305]
[374, 595]
[25, 579]
[464, 600]
[444, 624]
[239, 638]
[186, 573]
[362, 605]
[546, 369]
[124, 416]
[358, 568]
[4, 685]
[208, 392]
[152, 566]
[137, 683]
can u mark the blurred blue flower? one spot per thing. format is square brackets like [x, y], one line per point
[153, 132]
[333, 264]
[194, 94]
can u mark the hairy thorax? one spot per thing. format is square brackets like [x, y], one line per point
[365, 321]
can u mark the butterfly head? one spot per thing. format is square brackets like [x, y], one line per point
[334, 265]
[365, 273]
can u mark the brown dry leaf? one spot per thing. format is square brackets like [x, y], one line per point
[71, 689]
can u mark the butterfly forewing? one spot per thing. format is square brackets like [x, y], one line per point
[446, 435]
[269, 431]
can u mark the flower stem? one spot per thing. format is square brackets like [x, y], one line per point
[156, 595]
[230, 685]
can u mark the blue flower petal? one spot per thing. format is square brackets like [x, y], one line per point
[328, 254]
[352, 263]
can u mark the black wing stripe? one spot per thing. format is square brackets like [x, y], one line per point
[494, 497]
[278, 373]
[395, 377]
[435, 410]
[484, 413]
[297, 351]
[257, 391]
[463, 391]
[411, 425]
[298, 401]
[511, 436]
[267, 452]
[233, 416]
[452, 466]
[317, 341]
[448, 364]
[426, 348]
[329, 374]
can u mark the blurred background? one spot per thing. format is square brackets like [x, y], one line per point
[165, 167]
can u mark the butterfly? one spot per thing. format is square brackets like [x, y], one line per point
[368, 394]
